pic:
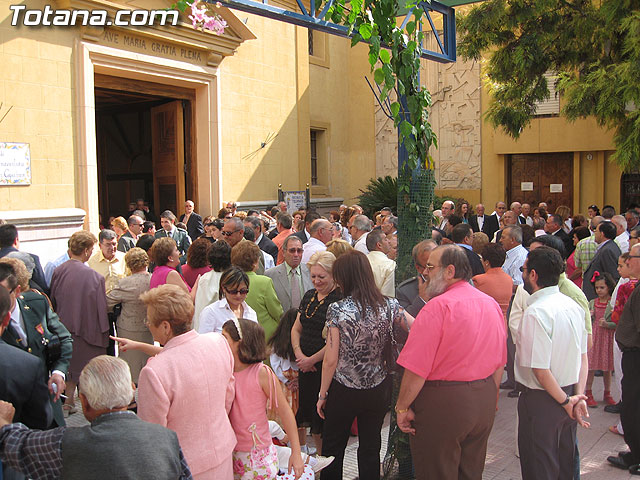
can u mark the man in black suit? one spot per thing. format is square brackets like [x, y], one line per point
[9, 246]
[554, 227]
[32, 327]
[192, 220]
[477, 221]
[21, 382]
[606, 258]
[488, 224]
[408, 292]
[304, 235]
[462, 235]
[265, 244]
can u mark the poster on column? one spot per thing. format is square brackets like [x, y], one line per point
[15, 164]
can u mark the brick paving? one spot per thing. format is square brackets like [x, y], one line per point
[595, 444]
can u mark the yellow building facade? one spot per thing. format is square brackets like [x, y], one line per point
[169, 113]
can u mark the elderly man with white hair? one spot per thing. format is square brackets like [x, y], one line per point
[116, 444]
[622, 235]
[359, 227]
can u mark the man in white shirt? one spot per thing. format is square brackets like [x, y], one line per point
[551, 365]
[622, 235]
[448, 207]
[359, 227]
[321, 233]
[511, 240]
[526, 214]
[384, 269]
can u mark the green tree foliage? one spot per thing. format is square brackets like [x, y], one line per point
[394, 56]
[594, 47]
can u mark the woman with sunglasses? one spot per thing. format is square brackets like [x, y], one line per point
[234, 287]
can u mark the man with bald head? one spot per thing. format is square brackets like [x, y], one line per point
[321, 232]
[448, 208]
[477, 221]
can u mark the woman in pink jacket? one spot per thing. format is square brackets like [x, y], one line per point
[188, 386]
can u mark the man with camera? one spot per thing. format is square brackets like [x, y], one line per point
[36, 329]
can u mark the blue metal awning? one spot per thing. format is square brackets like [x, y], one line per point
[313, 19]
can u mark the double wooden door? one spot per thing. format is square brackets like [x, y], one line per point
[543, 177]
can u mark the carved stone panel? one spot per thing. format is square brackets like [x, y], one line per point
[455, 119]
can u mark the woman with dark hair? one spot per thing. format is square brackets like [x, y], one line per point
[574, 273]
[197, 262]
[355, 376]
[212, 229]
[234, 286]
[593, 211]
[219, 257]
[463, 210]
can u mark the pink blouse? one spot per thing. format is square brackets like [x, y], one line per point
[160, 274]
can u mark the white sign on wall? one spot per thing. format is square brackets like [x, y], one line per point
[555, 188]
[15, 164]
[295, 200]
[526, 186]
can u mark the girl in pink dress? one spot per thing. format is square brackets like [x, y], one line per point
[257, 388]
[601, 354]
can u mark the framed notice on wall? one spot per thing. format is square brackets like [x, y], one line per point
[295, 200]
[15, 164]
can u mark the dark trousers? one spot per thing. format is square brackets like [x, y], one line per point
[546, 436]
[343, 405]
[511, 357]
[453, 421]
[630, 413]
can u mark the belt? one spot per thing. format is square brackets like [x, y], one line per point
[629, 349]
[451, 383]
[522, 388]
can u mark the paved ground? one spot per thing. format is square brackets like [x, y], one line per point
[595, 444]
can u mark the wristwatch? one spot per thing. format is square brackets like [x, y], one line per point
[320, 397]
[400, 410]
[566, 400]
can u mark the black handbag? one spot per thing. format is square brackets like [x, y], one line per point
[392, 349]
[52, 350]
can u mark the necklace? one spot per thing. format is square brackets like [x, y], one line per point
[315, 298]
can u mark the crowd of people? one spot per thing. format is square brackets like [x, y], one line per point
[245, 332]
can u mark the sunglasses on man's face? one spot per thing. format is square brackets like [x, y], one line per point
[295, 250]
[228, 234]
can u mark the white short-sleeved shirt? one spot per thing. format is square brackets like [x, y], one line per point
[214, 316]
[312, 246]
[551, 335]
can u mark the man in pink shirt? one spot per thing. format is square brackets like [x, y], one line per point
[453, 360]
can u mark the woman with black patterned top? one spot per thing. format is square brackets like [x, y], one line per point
[355, 378]
[308, 341]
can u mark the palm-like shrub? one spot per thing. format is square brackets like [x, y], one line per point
[380, 192]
